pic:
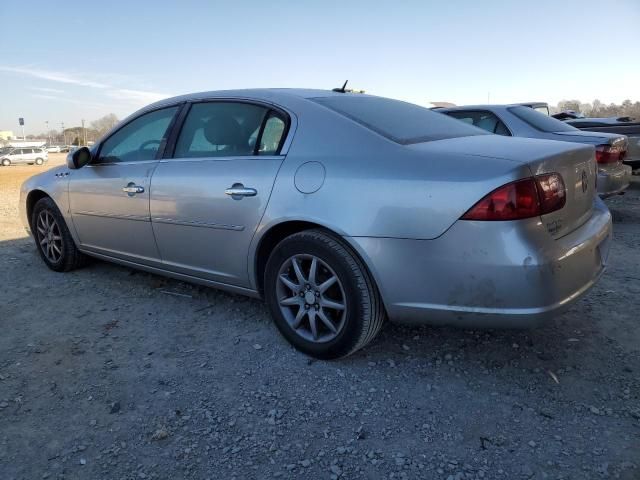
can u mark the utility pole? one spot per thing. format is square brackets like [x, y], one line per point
[84, 134]
[48, 135]
[64, 137]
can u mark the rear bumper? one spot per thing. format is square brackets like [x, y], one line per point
[613, 181]
[488, 274]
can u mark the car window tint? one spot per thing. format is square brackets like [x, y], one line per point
[540, 121]
[501, 129]
[220, 129]
[401, 122]
[272, 135]
[483, 119]
[139, 139]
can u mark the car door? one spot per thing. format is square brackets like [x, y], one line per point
[25, 155]
[109, 198]
[208, 198]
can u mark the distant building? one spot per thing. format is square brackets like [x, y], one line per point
[27, 143]
[6, 135]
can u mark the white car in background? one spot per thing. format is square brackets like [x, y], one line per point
[54, 149]
[18, 155]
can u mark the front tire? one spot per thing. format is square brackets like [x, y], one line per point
[6, 162]
[39, 161]
[53, 239]
[321, 296]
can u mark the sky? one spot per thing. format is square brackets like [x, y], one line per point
[68, 61]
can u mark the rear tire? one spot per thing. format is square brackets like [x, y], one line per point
[6, 162]
[344, 317]
[53, 239]
[39, 161]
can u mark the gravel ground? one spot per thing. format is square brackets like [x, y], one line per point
[110, 373]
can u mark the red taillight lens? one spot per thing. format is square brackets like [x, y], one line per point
[510, 202]
[609, 153]
[553, 194]
[525, 198]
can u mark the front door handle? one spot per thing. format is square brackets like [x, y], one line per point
[131, 189]
[238, 190]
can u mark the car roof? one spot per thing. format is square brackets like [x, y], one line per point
[532, 104]
[266, 94]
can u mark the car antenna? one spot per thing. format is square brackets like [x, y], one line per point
[343, 89]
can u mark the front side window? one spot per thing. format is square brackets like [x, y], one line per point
[483, 119]
[138, 140]
[229, 129]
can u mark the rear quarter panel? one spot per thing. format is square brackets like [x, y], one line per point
[375, 187]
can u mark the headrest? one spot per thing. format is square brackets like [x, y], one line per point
[224, 130]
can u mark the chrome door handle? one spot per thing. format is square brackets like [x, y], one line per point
[239, 190]
[131, 189]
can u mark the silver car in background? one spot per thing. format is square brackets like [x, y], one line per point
[524, 121]
[23, 155]
[340, 210]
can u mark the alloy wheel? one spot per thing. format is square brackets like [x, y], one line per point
[49, 236]
[311, 298]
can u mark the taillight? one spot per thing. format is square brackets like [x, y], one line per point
[609, 153]
[530, 197]
[552, 192]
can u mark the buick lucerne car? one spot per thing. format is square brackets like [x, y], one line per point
[521, 121]
[339, 209]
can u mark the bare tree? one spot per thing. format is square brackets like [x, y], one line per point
[569, 105]
[599, 109]
[104, 124]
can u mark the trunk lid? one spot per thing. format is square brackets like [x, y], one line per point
[574, 161]
[579, 172]
[594, 138]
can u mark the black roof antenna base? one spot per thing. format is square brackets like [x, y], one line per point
[343, 89]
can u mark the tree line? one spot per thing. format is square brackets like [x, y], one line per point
[598, 109]
[76, 135]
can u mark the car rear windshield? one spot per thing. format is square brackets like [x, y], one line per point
[540, 121]
[402, 122]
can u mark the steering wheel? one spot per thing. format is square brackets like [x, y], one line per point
[147, 143]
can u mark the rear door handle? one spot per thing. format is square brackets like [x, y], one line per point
[239, 190]
[131, 189]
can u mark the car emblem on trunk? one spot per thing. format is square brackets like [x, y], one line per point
[585, 181]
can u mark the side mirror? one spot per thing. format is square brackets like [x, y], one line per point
[78, 158]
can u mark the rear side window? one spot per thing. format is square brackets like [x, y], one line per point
[230, 129]
[402, 122]
[540, 121]
[483, 119]
[272, 135]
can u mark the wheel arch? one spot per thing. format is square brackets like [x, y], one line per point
[279, 231]
[32, 198]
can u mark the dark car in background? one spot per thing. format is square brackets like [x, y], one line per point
[628, 126]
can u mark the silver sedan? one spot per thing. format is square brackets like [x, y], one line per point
[521, 121]
[339, 209]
